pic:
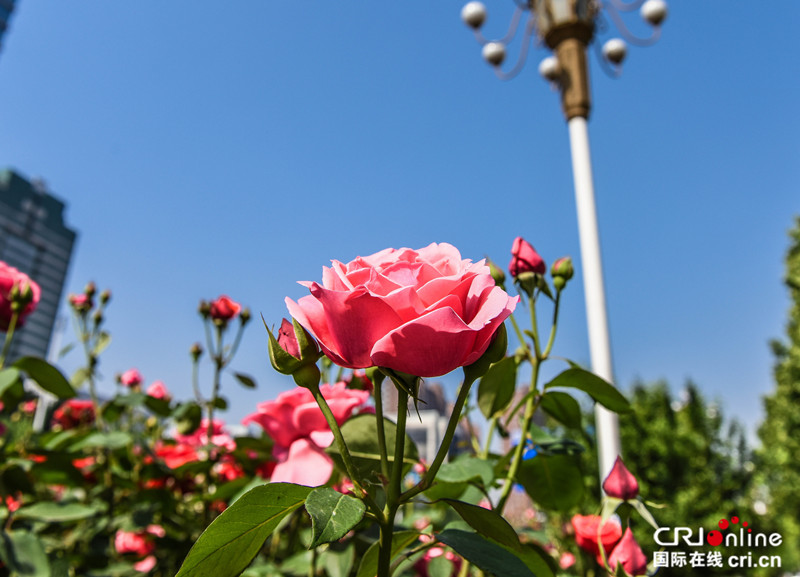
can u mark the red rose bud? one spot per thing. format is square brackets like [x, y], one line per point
[224, 309]
[620, 483]
[131, 378]
[524, 258]
[81, 303]
[629, 554]
[90, 289]
[294, 352]
[562, 270]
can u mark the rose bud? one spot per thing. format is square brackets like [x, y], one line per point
[524, 258]
[90, 289]
[620, 483]
[81, 303]
[294, 352]
[562, 270]
[105, 296]
[224, 309]
[196, 351]
[586, 534]
[204, 308]
[497, 273]
[245, 315]
[131, 378]
[629, 554]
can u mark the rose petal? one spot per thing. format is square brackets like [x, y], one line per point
[306, 464]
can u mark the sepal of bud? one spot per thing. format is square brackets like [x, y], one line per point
[527, 282]
[307, 376]
[293, 349]
[497, 274]
[196, 351]
[494, 352]
[245, 315]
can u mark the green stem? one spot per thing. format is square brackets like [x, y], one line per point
[444, 448]
[195, 381]
[552, 338]
[9, 335]
[377, 392]
[521, 337]
[535, 328]
[492, 425]
[235, 346]
[530, 410]
[343, 450]
[393, 499]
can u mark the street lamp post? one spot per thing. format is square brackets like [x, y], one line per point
[567, 27]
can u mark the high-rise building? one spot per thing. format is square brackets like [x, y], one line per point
[34, 240]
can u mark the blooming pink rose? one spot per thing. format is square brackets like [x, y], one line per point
[301, 433]
[524, 258]
[74, 413]
[620, 482]
[131, 378]
[12, 280]
[628, 552]
[224, 308]
[216, 435]
[158, 390]
[176, 455]
[133, 542]
[586, 534]
[425, 312]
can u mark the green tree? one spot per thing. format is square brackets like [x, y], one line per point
[779, 456]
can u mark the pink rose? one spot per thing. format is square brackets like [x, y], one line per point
[586, 534]
[15, 285]
[215, 435]
[133, 542]
[524, 258]
[425, 312]
[301, 433]
[422, 565]
[628, 552]
[158, 390]
[620, 482]
[176, 455]
[131, 378]
[224, 308]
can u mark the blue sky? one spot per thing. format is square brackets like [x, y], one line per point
[204, 150]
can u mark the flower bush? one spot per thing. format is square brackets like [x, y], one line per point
[326, 482]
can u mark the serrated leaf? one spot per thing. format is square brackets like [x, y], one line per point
[486, 522]
[496, 387]
[46, 376]
[56, 512]
[103, 340]
[8, 378]
[234, 538]
[553, 481]
[333, 514]
[599, 389]
[369, 562]
[467, 468]
[563, 408]
[484, 553]
[23, 553]
[111, 440]
[245, 380]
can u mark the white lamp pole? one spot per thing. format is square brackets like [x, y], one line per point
[567, 27]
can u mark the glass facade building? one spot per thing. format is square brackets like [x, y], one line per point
[35, 240]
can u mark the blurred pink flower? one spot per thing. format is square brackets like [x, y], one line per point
[14, 283]
[224, 308]
[131, 378]
[158, 390]
[301, 433]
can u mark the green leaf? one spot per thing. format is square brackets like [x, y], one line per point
[103, 340]
[486, 522]
[467, 468]
[339, 559]
[234, 538]
[220, 403]
[56, 512]
[361, 437]
[369, 562]
[440, 490]
[484, 553]
[563, 408]
[46, 376]
[79, 377]
[23, 553]
[159, 406]
[111, 440]
[496, 388]
[553, 481]
[8, 378]
[333, 514]
[187, 416]
[597, 388]
[131, 399]
[440, 567]
[245, 380]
